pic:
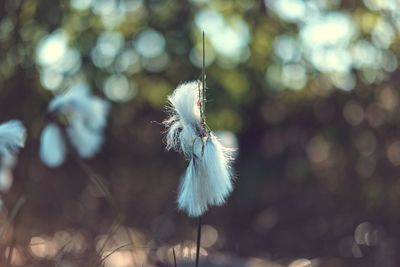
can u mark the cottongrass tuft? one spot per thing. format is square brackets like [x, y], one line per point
[208, 177]
[12, 138]
[78, 116]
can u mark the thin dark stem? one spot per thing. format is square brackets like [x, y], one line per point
[203, 117]
[203, 81]
[173, 253]
[198, 241]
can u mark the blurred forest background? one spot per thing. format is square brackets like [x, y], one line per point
[309, 88]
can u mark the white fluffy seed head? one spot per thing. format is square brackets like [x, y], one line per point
[86, 117]
[208, 178]
[184, 120]
[12, 138]
[6, 179]
[79, 105]
[85, 141]
[185, 102]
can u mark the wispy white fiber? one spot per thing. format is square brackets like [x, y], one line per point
[81, 118]
[218, 160]
[208, 177]
[12, 138]
[192, 196]
[229, 140]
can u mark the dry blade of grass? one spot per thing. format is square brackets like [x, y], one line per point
[100, 184]
[112, 230]
[13, 214]
[97, 181]
[112, 252]
[13, 217]
[60, 252]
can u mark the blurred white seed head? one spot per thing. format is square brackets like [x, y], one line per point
[12, 138]
[78, 120]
